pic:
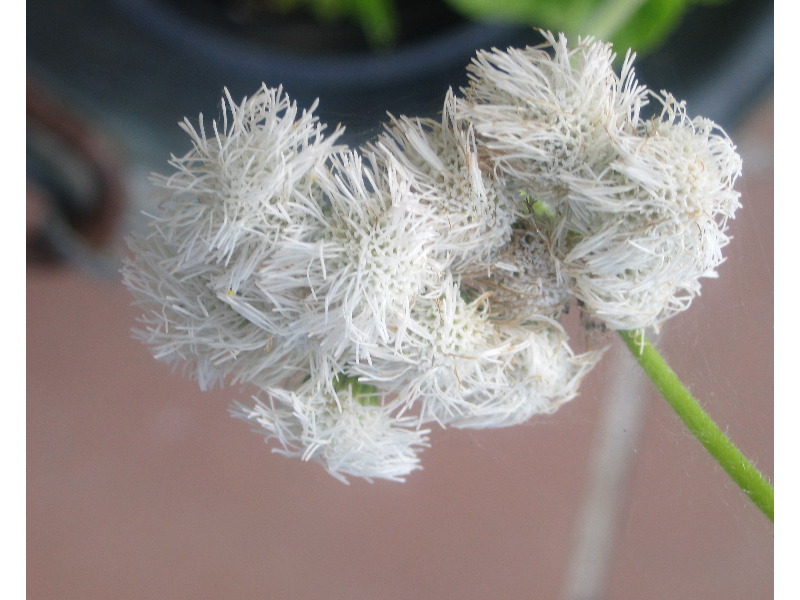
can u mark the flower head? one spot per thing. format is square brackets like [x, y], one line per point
[635, 254]
[460, 367]
[347, 430]
[472, 213]
[252, 181]
[545, 112]
[236, 199]
[376, 249]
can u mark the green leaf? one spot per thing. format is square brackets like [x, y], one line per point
[537, 13]
[638, 24]
[378, 20]
[650, 25]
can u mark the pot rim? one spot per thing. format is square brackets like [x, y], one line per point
[430, 56]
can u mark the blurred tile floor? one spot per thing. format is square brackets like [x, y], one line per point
[142, 487]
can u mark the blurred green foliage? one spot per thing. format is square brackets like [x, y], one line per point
[638, 24]
[377, 18]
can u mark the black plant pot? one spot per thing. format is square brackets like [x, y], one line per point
[313, 60]
[149, 63]
[144, 64]
[355, 85]
[720, 59]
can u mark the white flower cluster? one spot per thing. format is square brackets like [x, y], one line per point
[638, 207]
[367, 294]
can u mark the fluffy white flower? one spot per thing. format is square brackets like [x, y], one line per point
[542, 117]
[233, 201]
[534, 371]
[460, 368]
[344, 430]
[375, 253]
[634, 256]
[188, 322]
[473, 214]
[254, 179]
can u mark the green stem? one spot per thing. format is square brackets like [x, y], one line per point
[741, 470]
